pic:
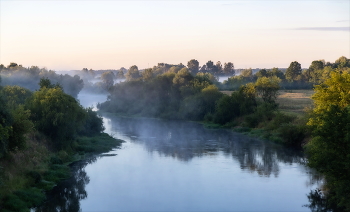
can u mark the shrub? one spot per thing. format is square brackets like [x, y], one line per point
[292, 134]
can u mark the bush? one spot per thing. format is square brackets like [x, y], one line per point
[292, 134]
[226, 110]
[279, 119]
[35, 176]
[55, 160]
[23, 199]
[93, 123]
[264, 113]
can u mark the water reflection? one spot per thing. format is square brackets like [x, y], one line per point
[184, 189]
[67, 195]
[186, 140]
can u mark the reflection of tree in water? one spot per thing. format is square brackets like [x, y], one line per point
[185, 140]
[320, 203]
[67, 194]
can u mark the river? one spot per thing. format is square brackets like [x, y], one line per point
[182, 166]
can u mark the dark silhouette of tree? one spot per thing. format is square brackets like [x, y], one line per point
[261, 73]
[229, 69]
[133, 73]
[219, 67]
[342, 62]
[193, 66]
[108, 79]
[293, 71]
[314, 70]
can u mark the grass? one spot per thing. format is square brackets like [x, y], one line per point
[292, 102]
[26, 174]
[287, 125]
[295, 102]
[97, 144]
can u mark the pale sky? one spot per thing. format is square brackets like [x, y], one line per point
[66, 35]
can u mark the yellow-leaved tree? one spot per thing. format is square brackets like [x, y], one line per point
[329, 149]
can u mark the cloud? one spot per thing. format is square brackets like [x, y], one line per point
[324, 28]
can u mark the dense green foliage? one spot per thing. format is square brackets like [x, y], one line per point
[294, 77]
[40, 133]
[252, 109]
[330, 146]
[56, 114]
[5, 126]
[168, 95]
[14, 118]
[49, 110]
[175, 92]
[108, 79]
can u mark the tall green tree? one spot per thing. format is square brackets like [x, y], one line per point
[15, 95]
[133, 73]
[6, 121]
[193, 66]
[342, 62]
[20, 127]
[56, 114]
[120, 74]
[314, 71]
[183, 77]
[229, 69]
[108, 79]
[328, 151]
[147, 74]
[261, 73]
[267, 88]
[276, 72]
[218, 67]
[247, 73]
[293, 71]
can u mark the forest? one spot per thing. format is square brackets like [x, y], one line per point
[195, 94]
[42, 123]
[41, 132]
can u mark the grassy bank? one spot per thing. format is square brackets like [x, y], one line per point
[28, 173]
[285, 125]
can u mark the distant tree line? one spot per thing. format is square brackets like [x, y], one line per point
[181, 93]
[106, 78]
[192, 93]
[293, 78]
[29, 78]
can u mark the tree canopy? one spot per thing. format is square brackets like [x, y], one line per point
[193, 66]
[293, 71]
[329, 148]
[56, 114]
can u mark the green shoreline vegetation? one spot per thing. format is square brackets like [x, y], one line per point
[38, 128]
[42, 132]
[192, 93]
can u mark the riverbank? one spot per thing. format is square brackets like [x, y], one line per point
[27, 174]
[286, 124]
[278, 126]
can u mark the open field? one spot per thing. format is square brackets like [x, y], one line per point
[295, 101]
[292, 101]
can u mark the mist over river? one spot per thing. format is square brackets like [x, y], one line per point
[182, 166]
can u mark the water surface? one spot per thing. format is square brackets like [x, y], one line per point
[182, 166]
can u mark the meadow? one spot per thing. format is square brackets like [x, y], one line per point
[292, 102]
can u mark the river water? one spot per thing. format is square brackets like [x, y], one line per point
[182, 166]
